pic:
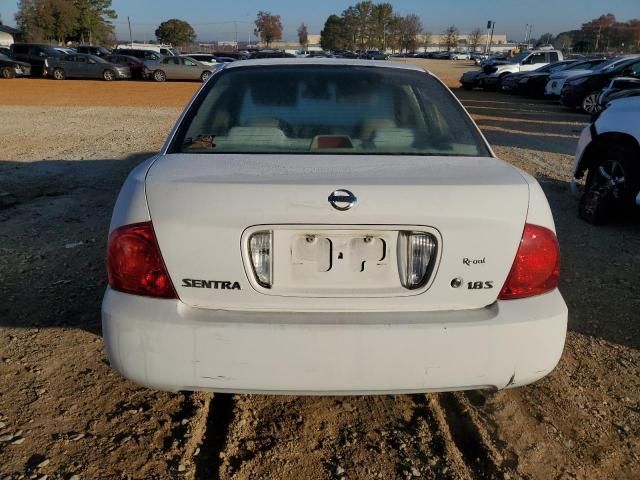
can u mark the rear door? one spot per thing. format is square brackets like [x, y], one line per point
[191, 70]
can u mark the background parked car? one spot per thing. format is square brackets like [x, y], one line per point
[582, 91]
[533, 83]
[181, 68]
[64, 50]
[205, 58]
[82, 65]
[136, 65]
[93, 50]
[619, 87]
[139, 53]
[35, 55]
[374, 55]
[164, 50]
[523, 62]
[10, 68]
[609, 152]
[557, 79]
[460, 56]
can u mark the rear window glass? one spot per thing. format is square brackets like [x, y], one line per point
[327, 109]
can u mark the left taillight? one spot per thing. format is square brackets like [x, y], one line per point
[134, 263]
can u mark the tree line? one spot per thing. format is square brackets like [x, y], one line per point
[370, 25]
[65, 20]
[602, 34]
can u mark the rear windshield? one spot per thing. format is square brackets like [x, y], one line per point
[327, 109]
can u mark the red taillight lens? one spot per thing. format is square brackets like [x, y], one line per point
[536, 268]
[134, 263]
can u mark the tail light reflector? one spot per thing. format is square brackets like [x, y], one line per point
[134, 263]
[416, 255]
[260, 250]
[536, 268]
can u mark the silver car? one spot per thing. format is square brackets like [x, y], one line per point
[181, 68]
[82, 65]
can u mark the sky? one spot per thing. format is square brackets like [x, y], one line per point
[213, 19]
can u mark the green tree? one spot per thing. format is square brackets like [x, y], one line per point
[94, 20]
[334, 35]
[268, 27]
[380, 21]
[175, 32]
[61, 20]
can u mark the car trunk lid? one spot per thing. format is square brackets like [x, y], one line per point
[204, 207]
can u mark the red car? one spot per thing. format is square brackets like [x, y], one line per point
[136, 65]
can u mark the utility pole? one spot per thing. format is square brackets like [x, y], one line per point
[526, 30]
[486, 47]
[130, 34]
[493, 25]
[598, 37]
[235, 26]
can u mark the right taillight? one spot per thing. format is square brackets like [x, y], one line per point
[536, 268]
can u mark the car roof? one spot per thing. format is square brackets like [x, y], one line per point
[323, 61]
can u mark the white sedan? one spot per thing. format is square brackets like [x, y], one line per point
[331, 226]
[460, 56]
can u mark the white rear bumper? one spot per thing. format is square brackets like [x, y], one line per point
[167, 345]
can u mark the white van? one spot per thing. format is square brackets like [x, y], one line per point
[165, 50]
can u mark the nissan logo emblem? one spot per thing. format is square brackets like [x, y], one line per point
[342, 199]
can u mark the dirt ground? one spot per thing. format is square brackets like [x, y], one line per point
[64, 414]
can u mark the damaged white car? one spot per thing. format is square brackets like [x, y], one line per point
[320, 226]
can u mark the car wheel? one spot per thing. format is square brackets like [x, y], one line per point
[108, 75]
[58, 74]
[8, 72]
[590, 103]
[610, 185]
[159, 76]
[205, 76]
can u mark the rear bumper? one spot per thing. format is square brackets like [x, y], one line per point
[167, 345]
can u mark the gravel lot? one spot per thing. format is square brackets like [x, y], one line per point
[65, 414]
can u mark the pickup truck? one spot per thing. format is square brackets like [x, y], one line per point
[523, 62]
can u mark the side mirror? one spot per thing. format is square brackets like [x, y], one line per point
[628, 72]
[92, 61]
[42, 54]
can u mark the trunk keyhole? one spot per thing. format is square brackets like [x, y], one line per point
[340, 256]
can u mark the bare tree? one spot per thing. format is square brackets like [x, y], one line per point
[451, 37]
[426, 40]
[474, 39]
[268, 27]
[303, 35]
[545, 38]
[411, 28]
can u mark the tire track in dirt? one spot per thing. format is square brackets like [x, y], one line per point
[399, 436]
[215, 423]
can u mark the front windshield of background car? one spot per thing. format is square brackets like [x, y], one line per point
[324, 109]
[611, 64]
[587, 65]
